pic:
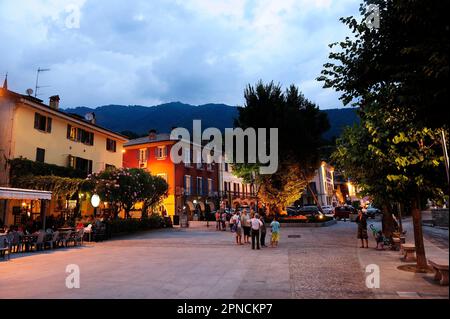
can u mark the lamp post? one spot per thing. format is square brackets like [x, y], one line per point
[95, 202]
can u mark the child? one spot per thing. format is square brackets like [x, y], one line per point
[275, 226]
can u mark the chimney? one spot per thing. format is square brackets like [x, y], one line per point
[152, 134]
[54, 102]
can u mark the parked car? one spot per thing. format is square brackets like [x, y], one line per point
[371, 211]
[343, 212]
[309, 210]
[292, 211]
[328, 211]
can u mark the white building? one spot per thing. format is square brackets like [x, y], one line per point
[322, 184]
[233, 191]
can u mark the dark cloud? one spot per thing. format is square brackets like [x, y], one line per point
[147, 52]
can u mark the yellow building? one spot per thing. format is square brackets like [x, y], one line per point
[39, 132]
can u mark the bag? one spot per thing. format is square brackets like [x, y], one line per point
[233, 228]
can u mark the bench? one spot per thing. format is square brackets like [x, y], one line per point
[397, 242]
[409, 252]
[440, 267]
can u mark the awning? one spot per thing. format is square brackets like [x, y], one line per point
[20, 193]
[190, 205]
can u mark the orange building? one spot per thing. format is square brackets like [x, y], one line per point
[191, 185]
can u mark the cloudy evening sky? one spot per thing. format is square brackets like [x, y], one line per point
[151, 52]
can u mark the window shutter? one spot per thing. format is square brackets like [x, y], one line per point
[36, 120]
[156, 152]
[69, 127]
[79, 134]
[49, 124]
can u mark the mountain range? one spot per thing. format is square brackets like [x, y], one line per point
[140, 119]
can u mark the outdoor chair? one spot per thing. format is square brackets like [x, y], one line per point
[53, 241]
[22, 244]
[65, 238]
[4, 248]
[79, 237]
[39, 243]
[15, 243]
[73, 237]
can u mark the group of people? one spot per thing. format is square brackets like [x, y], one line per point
[252, 228]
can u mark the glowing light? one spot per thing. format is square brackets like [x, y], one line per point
[95, 200]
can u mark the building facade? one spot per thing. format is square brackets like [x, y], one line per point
[39, 132]
[193, 185]
[322, 184]
[232, 189]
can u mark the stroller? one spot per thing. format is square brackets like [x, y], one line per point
[380, 238]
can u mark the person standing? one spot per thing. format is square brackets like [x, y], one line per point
[245, 220]
[218, 221]
[263, 232]
[361, 220]
[224, 221]
[275, 227]
[255, 227]
[238, 228]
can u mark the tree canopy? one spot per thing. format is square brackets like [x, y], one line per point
[300, 126]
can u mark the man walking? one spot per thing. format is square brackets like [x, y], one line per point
[256, 226]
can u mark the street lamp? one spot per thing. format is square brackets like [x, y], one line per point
[95, 202]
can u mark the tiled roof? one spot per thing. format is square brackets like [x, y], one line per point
[145, 140]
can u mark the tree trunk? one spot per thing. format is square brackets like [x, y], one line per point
[400, 213]
[387, 221]
[418, 236]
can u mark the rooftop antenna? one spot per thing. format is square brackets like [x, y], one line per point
[39, 70]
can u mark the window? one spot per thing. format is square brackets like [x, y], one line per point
[110, 145]
[226, 167]
[187, 157]
[199, 186]
[187, 185]
[42, 123]
[71, 132]
[143, 158]
[198, 159]
[79, 135]
[40, 155]
[209, 162]
[161, 152]
[210, 186]
[109, 167]
[81, 164]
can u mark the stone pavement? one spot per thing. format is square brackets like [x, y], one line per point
[203, 263]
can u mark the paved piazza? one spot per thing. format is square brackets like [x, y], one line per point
[203, 263]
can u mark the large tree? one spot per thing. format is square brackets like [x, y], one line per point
[397, 74]
[408, 54]
[300, 125]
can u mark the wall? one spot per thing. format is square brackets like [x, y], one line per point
[57, 147]
[6, 116]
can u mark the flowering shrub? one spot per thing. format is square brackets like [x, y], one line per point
[124, 187]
